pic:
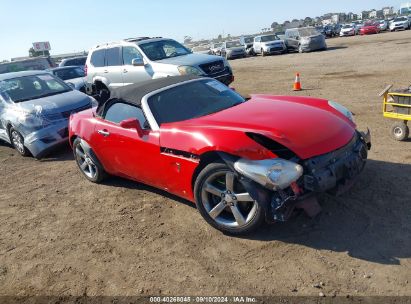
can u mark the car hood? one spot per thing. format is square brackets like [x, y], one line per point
[236, 49]
[307, 126]
[190, 59]
[347, 29]
[274, 42]
[57, 103]
[399, 22]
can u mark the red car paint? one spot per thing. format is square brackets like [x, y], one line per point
[370, 29]
[307, 126]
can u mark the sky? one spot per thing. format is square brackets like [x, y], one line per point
[77, 25]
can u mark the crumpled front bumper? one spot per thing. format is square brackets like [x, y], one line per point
[332, 173]
[40, 142]
[328, 172]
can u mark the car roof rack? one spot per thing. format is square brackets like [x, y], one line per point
[137, 39]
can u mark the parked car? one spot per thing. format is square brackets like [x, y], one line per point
[348, 30]
[321, 30]
[72, 75]
[241, 162]
[202, 49]
[75, 61]
[305, 39]
[383, 25]
[248, 43]
[216, 48]
[269, 44]
[400, 23]
[32, 64]
[233, 49]
[136, 60]
[34, 111]
[337, 29]
[370, 28]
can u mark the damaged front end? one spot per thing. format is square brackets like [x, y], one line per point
[281, 186]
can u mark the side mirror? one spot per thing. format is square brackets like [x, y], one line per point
[132, 123]
[137, 62]
[71, 85]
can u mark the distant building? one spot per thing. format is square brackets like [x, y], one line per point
[352, 16]
[388, 11]
[337, 18]
[374, 14]
[365, 15]
[326, 21]
[405, 8]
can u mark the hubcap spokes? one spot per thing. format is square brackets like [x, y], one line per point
[17, 141]
[86, 164]
[224, 204]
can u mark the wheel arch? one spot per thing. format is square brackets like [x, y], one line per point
[211, 157]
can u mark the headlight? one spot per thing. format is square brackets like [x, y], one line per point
[274, 173]
[305, 40]
[32, 121]
[340, 108]
[189, 70]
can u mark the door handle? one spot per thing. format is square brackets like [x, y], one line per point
[125, 71]
[105, 133]
[105, 71]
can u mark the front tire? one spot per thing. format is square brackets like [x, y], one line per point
[224, 203]
[87, 161]
[17, 141]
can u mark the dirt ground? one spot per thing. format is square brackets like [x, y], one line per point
[61, 235]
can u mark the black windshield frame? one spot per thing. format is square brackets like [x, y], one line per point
[191, 100]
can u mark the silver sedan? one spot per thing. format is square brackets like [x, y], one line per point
[34, 110]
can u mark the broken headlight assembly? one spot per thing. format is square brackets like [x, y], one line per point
[273, 174]
[340, 108]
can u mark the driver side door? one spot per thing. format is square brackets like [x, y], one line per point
[134, 74]
[123, 151]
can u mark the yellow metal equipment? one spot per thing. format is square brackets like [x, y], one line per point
[397, 106]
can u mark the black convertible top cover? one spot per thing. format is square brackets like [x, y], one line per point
[135, 92]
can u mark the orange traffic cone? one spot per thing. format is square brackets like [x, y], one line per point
[297, 83]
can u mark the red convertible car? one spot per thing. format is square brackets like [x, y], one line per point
[242, 162]
[370, 28]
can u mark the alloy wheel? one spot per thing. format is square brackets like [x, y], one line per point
[17, 141]
[226, 200]
[85, 162]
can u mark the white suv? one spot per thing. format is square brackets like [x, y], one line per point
[136, 60]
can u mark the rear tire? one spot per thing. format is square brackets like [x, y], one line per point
[400, 131]
[17, 141]
[87, 161]
[224, 203]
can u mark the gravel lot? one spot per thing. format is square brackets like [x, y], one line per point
[61, 235]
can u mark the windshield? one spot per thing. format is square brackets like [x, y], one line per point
[191, 100]
[249, 40]
[231, 44]
[309, 31]
[269, 38]
[163, 49]
[400, 19]
[217, 45]
[347, 26]
[69, 73]
[32, 87]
